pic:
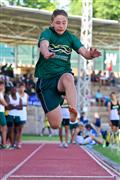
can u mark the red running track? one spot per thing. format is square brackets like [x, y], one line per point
[49, 162]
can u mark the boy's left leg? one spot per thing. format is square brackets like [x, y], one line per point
[55, 117]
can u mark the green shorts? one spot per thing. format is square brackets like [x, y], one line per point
[65, 122]
[48, 93]
[13, 120]
[73, 126]
[3, 121]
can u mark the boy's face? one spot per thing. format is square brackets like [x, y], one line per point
[60, 23]
[21, 88]
[2, 87]
[113, 96]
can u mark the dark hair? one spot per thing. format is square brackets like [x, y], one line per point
[21, 84]
[88, 126]
[58, 12]
[1, 82]
[112, 93]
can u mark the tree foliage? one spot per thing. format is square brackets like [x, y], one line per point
[106, 9]
[40, 4]
[75, 7]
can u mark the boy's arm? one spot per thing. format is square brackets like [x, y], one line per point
[3, 102]
[20, 106]
[109, 109]
[89, 54]
[44, 49]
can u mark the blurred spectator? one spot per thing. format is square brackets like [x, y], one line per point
[3, 122]
[13, 119]
[112, 79]
[109, 67]
[4, 68]
[98, 76]
[7, 70]
[89, 135]
[106, 100]
[73, 129]
[93, 76]
[113, 111]
[64, 124]
[97, 122]
[46, 126]
[22, 113]
[83, 118]
[104, 79]
[99, 98]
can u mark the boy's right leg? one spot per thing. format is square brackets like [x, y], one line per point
[66, 84]
[55, 117]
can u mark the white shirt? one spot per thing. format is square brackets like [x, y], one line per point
[76, 121]
[114, 114]
[14, 102]
[2, 108]
[23, 112]
[65, 113]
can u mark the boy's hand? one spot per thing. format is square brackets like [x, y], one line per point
[49, 55]
[94, 53]
[89, 54]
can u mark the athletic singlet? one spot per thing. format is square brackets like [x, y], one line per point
[65, 113]
[14, 102]
[114, 111]
[23, 112]
[2, 108]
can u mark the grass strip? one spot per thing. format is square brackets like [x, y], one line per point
[112, 154]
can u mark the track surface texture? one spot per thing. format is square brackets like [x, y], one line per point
[49, 162]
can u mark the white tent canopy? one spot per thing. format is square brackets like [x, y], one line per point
[19, 25]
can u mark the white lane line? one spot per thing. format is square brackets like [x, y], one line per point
[57, 177]
[22, 163]
[98, 162]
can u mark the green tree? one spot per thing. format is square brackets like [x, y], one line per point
[40, 4]
[106, 9]
[75, 7]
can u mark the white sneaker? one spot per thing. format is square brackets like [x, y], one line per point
[19, 146]
[65, 145]
[61, 145]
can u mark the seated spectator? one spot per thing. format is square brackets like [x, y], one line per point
[112, 79]
[104, 79]
[89, 135]
[93, 76]
[99, 98]
[97, 120]
[112, 137]
[98, 76]
[83, 118]
[106, 100]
